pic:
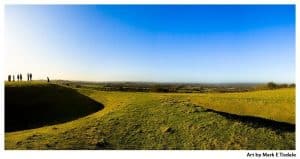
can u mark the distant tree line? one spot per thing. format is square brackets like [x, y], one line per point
[273, 85]
[158, 87]
[173, 87]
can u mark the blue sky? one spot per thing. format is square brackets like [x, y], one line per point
[161, 43]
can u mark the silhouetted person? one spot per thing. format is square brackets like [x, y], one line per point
[27, 76]
[30, 76]
[48, 79]
[9, 78]
[13, 78]
[20, 77]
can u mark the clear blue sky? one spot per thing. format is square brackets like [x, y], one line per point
[181, 43]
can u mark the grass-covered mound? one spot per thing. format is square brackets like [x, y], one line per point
[35, 104]
[160, 121]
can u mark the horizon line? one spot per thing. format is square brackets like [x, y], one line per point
[174, 82]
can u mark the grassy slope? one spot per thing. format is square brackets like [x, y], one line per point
[156, 121]
[35, 104]
[276, 105]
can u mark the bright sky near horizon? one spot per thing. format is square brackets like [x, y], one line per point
[161, 43]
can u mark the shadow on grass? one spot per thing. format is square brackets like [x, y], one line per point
[34, 106]
[257, 122]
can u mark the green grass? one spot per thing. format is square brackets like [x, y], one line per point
[276, 105]
[170, 121]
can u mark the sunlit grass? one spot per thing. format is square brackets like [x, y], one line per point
[169, 121]
[276, 105]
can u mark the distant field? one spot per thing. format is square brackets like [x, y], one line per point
[132, 120]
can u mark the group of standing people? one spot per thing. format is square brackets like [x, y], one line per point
[19, 77]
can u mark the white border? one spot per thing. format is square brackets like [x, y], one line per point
[72, 154]
[2, 75]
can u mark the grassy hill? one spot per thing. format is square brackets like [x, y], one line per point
[36, 104]
[132, 120]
